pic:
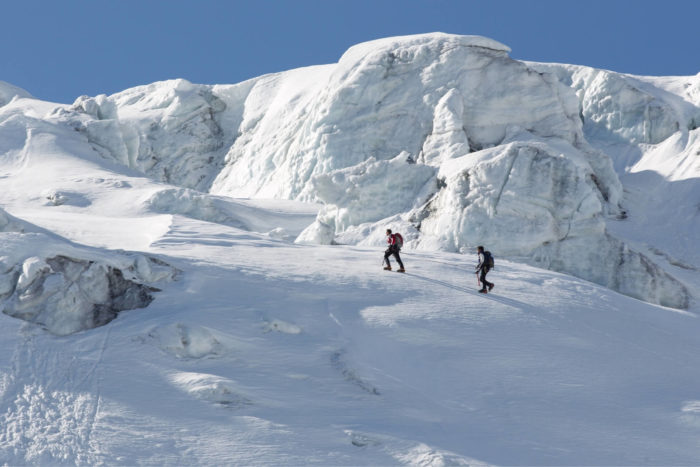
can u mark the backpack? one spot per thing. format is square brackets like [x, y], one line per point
[398, 240]
[488, 259]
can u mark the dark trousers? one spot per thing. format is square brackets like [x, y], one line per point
[393, 250]
[482, 278]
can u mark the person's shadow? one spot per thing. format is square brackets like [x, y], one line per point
[497, 298]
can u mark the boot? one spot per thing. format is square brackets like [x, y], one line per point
[401, 270]
[387, 268]
[483, 291]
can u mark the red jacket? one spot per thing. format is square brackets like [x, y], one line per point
[391, 240]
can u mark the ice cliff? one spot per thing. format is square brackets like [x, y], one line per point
[444, 137]
[66, 288]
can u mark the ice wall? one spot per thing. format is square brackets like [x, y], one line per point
[173, 131]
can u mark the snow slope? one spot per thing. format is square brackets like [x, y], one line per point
[262, 343]
[376, 136]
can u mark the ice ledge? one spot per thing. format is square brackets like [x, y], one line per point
[358, 51]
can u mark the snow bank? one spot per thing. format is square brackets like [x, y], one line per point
[211, 388]
[608, 261]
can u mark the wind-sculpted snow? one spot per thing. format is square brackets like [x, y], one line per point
[244, 214]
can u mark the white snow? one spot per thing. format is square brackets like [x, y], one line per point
[191, 274]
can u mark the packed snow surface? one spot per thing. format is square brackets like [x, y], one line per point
[191, 274]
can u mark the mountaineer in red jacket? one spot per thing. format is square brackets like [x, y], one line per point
[395, 242]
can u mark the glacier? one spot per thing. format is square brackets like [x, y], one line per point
[445, 137]
[189, 274]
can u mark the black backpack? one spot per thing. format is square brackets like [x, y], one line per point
[488, 259]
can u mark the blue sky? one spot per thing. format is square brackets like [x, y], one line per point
[59, 50]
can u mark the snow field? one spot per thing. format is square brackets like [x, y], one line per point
[369, 366]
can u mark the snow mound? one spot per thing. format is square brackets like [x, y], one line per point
[211, 388]
[408, 452]
[187, 341]
[278, 325]
[675, 159]
[9, 223]
[60, 198]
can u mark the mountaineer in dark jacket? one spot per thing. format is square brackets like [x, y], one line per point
[484, 266]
